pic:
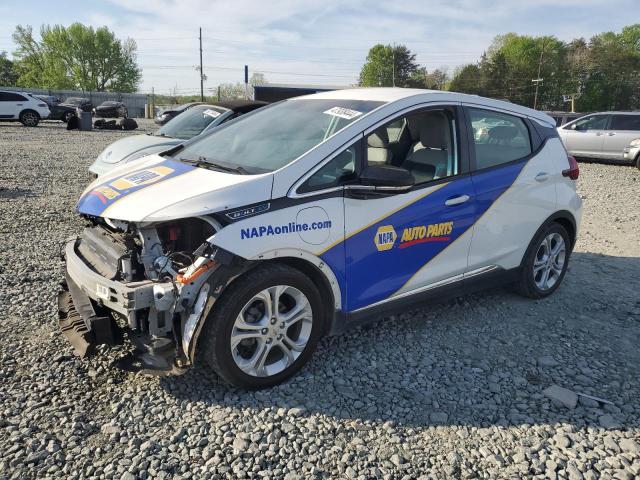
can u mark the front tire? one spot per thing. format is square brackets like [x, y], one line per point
[264, 327]
[29, 118]
[545, 262]
[638, 161]
[67, 116]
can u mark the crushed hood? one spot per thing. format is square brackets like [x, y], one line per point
[155, 188]
[124, 147]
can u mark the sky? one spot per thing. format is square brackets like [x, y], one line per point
[322, 42]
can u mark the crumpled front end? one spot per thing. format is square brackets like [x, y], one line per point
[148, 285]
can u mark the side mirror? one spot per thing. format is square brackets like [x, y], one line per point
[387, 177]
[574, 126]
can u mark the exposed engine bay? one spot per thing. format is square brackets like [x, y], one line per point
[149, 284]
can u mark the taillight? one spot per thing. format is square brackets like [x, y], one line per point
[574, 170]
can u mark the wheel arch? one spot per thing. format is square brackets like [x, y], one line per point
[562, 217]
[321, 275]
[29, 110]
[568, 221]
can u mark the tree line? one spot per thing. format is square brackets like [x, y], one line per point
[77, 57]
[603, 73]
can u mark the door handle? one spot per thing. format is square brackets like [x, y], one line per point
[456, 200]
[599, 134]
[611, 134]
[541, 177]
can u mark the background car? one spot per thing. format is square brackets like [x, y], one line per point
[632, 152]
[24, 107]
[563, 118]
[58, 110]
[111, 109]
[601, 135]
[165, 115]
[82, 103]
[192, 122]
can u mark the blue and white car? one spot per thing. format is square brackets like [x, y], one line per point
[313, 215]
[196, 120]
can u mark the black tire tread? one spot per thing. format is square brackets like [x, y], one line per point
[224, 309]
[525, 285]
[21, 117]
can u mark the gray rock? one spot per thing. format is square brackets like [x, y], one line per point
[561, 396]
[438, 417]
[629, 445]
[607, 421]
[547, 361]
[396, 459]
[240, 445]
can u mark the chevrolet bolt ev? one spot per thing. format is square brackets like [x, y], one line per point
[310, 216]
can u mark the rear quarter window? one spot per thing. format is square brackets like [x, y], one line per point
[498, 138]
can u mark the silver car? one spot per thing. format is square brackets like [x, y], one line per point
[602, 135]
[195, 121]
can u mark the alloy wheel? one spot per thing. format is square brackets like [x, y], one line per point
[271, 331]
[549, 261]
[30, 119]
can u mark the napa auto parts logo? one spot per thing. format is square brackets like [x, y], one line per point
[385, 237]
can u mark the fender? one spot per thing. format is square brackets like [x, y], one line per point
[214, 284]
[283, 253]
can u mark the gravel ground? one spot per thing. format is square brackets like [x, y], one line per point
[451, 391]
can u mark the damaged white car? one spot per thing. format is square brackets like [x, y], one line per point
[312, 215]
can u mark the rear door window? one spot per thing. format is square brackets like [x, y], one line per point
[625, 122]
[498, 138]
[12, 97]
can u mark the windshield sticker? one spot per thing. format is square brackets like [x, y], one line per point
[291, 227]
[212, 113]
[343, 113]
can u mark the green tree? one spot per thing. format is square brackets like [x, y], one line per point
[467, 79]
[604, 71]
[8, 75]
[77, 57]
[387, 65]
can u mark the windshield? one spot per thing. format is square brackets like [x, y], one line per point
[274, 136]
[191, 122]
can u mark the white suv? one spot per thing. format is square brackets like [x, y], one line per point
[24, 107]
[310, 216]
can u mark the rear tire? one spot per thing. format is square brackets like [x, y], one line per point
[545, 262]
[638, 161]
[29, 118]
[251, 345]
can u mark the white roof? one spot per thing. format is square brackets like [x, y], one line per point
[386, 94]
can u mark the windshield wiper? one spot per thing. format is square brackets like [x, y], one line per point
[203, 162]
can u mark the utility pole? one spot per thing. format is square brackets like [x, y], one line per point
[393, 65]
[201, 71]
[246, 82]
[538, 80]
